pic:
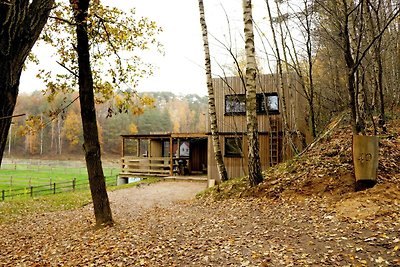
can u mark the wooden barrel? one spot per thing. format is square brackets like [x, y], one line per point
[365, 157]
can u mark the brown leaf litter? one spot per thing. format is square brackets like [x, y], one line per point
[306, 213]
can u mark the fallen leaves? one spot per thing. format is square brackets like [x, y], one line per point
[238, 232]
[305, 215]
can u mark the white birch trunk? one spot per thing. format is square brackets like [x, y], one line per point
[254, 164]
[223, 176]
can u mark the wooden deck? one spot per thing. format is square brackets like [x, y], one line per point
[197, 178]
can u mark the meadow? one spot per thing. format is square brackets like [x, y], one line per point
[45, 177]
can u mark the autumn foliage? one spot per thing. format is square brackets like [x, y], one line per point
[54, 128]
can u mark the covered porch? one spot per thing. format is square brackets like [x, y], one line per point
[163, 155]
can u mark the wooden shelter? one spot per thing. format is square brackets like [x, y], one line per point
[168, 154]
[275, 146]
[163, 154]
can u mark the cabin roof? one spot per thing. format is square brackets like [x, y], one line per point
[164, 135]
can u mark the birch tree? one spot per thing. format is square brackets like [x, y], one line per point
[254, 165]
[282, 79]
[211, 99]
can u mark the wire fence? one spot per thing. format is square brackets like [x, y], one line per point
[78, 170]
[53, 188]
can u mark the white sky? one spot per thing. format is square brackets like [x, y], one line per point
[181, 70]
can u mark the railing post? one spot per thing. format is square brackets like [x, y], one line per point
[54, 188]
[31, 193]
[3, 195]
[73, 184]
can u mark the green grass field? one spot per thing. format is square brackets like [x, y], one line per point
[20, 177]
[24, 205]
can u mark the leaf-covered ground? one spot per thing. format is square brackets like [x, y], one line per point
[306, 213]
[235, 232]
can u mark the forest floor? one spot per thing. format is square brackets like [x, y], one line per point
[305, 213]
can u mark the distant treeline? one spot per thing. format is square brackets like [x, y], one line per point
[54, 128]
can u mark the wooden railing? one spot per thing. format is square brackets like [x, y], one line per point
[138, 166]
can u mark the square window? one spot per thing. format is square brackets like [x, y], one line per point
[233, 146]
[267, 103]
[235, 104]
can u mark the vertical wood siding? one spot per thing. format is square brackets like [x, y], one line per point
[230, 124]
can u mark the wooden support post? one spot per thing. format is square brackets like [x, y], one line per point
[3, 194]
[178, 151]
[138, 147]
[73, 184]
[31, 191]
[54, 188]
[123, 147]
[171, 157]
[149, 148]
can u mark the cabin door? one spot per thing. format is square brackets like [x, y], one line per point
[198, 154]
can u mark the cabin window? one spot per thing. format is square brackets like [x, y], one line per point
[267, 103]
[233, 146]
[235, 104]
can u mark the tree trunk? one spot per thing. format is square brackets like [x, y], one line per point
[379, 66]
[52, 135]
[8, 98]
[20, 25]
[9, 141]
[102, 210]
[255, 175]
[282, 95]
[310, 59]
[211, 100]
[59, 139]
[351, 80]
[41, 134]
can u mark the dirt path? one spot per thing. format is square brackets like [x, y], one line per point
[136, 200]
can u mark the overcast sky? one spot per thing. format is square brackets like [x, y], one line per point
[181, 70]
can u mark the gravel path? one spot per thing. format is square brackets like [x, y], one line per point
[135, 200]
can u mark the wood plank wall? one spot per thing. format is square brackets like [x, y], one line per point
[295, 103]
[230, 124]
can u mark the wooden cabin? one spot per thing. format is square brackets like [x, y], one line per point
[169, 154]
[231, 116]
[163, 154]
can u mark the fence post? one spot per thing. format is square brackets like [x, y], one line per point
[11, 181]
[54, 188]
[3, 195]
[31, 187]
[73, 184]
[50, 183]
